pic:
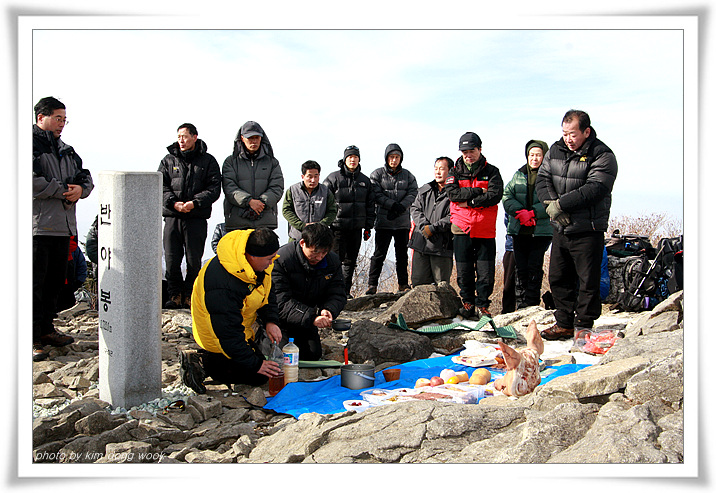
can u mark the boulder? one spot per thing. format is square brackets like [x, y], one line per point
[372, 341]
[423, 304]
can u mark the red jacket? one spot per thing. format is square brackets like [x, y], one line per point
[478, 219]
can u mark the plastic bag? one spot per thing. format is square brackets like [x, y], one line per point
[595, 341]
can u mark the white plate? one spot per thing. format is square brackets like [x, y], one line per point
[356, 405]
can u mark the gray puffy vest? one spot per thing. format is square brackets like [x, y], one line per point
[309, 208]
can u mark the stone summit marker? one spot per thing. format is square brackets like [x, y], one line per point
[129, 299]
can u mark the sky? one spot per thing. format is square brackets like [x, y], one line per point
[317, 91]
[319, 76]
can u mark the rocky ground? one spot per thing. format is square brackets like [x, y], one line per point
[626, 408]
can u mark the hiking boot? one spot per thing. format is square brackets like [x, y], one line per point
[38, 352]
[557, 333]
[192, 371]
[403, 288]
[371, 290]
[482, 311]
[174, 303]
[56, 339]
[467, 310]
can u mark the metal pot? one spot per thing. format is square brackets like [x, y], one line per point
[357, 377]
[341, 324]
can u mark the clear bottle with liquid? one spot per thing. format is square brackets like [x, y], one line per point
[290, 362]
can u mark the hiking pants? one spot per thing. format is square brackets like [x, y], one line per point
[49, 271]
[225, 370]
[574, 276]
[183, 236]
[382, 242]
[508, 282]
[346, 243]
[529, 259]
[430, 269]
[475, 263]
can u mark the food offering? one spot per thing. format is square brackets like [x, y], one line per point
[356, 405]
[477, 354]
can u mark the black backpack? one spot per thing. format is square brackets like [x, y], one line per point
[619, 245]
[648, 282]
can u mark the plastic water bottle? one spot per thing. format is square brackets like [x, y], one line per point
[290, 362]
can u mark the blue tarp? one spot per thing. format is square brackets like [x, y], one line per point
[327, 396]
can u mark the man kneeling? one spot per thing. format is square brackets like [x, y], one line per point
[309, 288]
[231, 294]
[522, 375]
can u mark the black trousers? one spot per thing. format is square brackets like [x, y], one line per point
[529, 259]
[346, 244]
[183, 237]
[382, 243]
[225, 370]
[475, 264]
[574, 276]
[508, 282]
[49, 270]
[307, 340]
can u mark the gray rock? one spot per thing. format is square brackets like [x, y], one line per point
[256, 397]
[664, 379]
[663, 322]
[653, 347]
[423, 304]
[54, 428]
[86, 449]
[599, 380]
[98, 422]
[371, 341]
[125, 453]
[207, 406]
[621, 434]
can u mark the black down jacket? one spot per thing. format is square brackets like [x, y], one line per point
[582, 181]
[302, 290]
[354, 198]
[196, 178]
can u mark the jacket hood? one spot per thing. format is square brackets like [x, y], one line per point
[240, 149]
[391, 149]
[231, 251]
[536, 143]
[199, 147]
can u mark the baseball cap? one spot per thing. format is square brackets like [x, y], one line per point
[249, 129]
[470, 140]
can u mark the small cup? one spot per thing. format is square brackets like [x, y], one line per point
[391, 374]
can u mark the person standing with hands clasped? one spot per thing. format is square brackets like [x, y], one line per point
[474, 187]
[252, 181]
[356, 211]
[431, 239]
[528, 226]
[191, 184]
[395, 189]
[58, 182]
[575, 184]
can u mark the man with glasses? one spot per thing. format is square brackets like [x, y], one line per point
[309, 289]
[191, 184]
[356, 211]
[58, 182]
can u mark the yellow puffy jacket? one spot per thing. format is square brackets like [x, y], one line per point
[226, 299]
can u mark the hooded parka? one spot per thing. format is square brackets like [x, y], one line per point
[354, 197]
[246, 177]
[392, 186]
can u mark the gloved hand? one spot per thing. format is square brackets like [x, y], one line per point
[556, 213]
[524, 216]
[531, 222]
[427, 232]
[395, 211]
[366, 235]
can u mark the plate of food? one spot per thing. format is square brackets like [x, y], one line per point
[356, 405]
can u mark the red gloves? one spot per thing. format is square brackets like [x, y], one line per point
[526, 217]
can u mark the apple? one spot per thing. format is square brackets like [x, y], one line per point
[435, 381]
[422, 382]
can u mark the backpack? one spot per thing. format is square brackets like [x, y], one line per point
[648, 282]
[619, 245]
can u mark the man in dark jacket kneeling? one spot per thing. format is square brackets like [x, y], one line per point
[309, 287]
